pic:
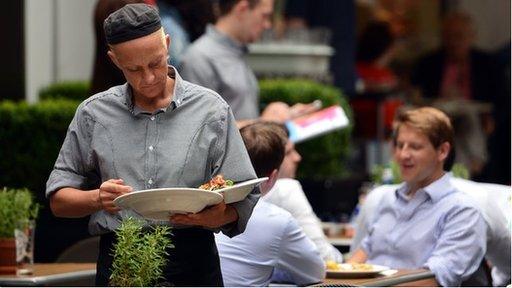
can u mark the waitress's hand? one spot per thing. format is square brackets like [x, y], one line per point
[211, 217]
[110, 190]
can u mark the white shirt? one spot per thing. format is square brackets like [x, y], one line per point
[288, 194]
[498, 234]
[272, 240]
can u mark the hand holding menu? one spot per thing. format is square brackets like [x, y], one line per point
[317, 123]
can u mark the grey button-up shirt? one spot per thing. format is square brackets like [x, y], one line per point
[217, 62]
[182, 145]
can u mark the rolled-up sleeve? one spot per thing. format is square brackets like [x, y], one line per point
[460, 247]
[73, 165]
[234, 161]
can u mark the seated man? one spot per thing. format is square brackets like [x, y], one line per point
[287, 193]
[427, 222]
[272, 241]
[488, 197]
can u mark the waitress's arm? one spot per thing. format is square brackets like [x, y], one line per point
[74, 203]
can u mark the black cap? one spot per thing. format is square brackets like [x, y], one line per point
[131, 22]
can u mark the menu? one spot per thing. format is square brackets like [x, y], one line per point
[318, 123]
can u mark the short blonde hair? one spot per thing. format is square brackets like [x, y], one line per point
[432, 122]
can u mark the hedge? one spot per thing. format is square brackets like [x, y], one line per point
[31, 137]
[322, 157]
[72, 90]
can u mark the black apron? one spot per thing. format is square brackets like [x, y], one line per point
[194, 260]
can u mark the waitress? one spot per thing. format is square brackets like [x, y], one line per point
[154, 131]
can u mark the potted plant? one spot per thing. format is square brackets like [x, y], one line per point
[139, 257]
[17, 211]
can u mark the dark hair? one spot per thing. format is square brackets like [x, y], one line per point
[432, 122]
[265, 142]
[105, 74]
[375, 39]
[225, 6]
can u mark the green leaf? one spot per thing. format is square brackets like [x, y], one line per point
[139, 257]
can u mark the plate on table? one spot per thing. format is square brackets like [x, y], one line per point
[240, 190]
[159, 204]
[346, 270]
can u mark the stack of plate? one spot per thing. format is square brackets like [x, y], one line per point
[159, 204]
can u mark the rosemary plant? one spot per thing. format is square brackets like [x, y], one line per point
[17, 208]
[139, 257]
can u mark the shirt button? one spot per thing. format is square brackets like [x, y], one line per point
[150, 148]
[150, 181]
[152, 118]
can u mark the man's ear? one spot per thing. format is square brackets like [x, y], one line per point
[443, 151]
[267, 185]
[113, 58]
[241, 7]
[168, 41]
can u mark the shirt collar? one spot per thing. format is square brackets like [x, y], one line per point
[436, 190]
[177, 98]
[225, 40]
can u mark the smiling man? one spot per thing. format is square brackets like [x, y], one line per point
[427, 223]
[154, 131]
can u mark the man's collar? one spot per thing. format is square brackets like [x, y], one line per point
[436, 190]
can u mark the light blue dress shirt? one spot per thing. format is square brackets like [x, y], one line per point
[439, 228]
[272, 242]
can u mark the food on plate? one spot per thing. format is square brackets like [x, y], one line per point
[331, 265]
[217, 182]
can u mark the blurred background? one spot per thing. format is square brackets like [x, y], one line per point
[370, 56]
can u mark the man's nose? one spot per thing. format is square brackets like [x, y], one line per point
[404, 153]
[148, 76]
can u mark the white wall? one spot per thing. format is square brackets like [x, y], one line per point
[59, 42]
[75, 39]
[39, 69]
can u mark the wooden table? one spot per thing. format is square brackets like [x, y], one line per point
[418, 277]
[54, 274]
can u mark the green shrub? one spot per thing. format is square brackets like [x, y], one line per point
[17, 207]
[31, 137]
[139, 258]
[71, 90]
[322, 157]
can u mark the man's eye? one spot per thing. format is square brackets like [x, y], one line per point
[416, 147]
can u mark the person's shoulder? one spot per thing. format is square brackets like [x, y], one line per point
[113, 95]
[286, 186]
[203, 94]
[202, 47]
[462, 198]
[274, 215]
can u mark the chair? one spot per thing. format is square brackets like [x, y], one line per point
[83, 251]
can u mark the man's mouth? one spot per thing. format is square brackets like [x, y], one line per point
[407, 166]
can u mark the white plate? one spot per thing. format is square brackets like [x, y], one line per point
[158, 204]
[240, 190]
[356, 273]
